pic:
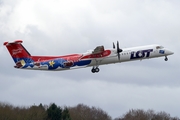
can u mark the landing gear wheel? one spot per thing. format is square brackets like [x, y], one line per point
[166, 59]
[97, 69]
[94, 70]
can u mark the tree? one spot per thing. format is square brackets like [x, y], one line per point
[139, 114]
[36, 112]
[84, 112]
[54, 112]
[65, 114]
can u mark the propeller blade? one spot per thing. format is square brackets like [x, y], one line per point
[118, 50]
[118, 56]
[117, 44]
[114, 45]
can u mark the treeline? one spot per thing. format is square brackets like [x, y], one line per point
[79, 112]
[139, 114]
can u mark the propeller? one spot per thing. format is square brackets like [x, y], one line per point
[118, 49]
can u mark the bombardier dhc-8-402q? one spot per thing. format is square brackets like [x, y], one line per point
[93, 58]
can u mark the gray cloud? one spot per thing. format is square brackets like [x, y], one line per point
[63, 27]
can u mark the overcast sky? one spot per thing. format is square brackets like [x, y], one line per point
[58, 27]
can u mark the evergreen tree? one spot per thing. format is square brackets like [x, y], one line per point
[65, 114]
[54, 112]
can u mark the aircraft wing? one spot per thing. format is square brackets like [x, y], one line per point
[98, 49]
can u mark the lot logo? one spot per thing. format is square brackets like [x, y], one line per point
[141, 54]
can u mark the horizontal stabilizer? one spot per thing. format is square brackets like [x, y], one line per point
[13, 42]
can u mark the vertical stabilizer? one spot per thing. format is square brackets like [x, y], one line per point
[17, 51]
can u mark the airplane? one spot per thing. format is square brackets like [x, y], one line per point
[92, 58]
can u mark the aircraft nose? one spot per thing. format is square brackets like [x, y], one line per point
[168, 52]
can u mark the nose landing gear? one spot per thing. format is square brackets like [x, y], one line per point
[166, 59]
[95, 69]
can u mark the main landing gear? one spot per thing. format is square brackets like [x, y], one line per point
[166, 59]
[95, 70]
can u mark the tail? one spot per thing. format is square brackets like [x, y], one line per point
[19, 54]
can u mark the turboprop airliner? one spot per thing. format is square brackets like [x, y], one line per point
[92, 58]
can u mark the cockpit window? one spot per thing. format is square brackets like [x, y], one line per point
[159, 47]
